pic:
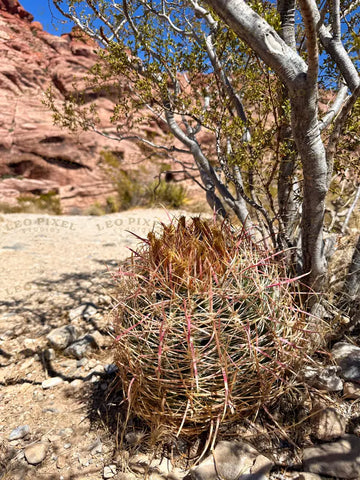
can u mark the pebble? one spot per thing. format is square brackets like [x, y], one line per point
[109, 471]
[36, 453]
[81, 347]
[328, 424]
[99, 339]
[67, 446]
[85, 311]
[61, 337]
[50, 354]
[351, 391]
[111, 368]
[77, 383]
[82, 362]
[61, 462]
[96, 447]
[324, 378]
[347, 356]
[19, 432]
[51, 382]
[50, 410]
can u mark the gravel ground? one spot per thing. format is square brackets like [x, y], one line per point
[56, 272]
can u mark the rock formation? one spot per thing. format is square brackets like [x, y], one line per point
[35, 155]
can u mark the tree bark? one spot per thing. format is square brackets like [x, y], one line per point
[301, 81]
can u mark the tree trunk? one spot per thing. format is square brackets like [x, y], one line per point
[313, 157]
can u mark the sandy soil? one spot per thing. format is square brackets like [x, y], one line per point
[51, 270]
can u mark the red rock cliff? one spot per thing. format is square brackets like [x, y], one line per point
[35, 155]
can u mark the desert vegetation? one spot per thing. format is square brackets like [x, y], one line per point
[216, 321]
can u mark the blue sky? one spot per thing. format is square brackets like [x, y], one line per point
[45, 13]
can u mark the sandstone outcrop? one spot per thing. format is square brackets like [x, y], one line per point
[36, 156]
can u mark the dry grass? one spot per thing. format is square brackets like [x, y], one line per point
[208, 330]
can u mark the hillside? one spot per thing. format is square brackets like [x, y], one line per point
[35, 155]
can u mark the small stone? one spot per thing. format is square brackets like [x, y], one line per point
[337, 459]
[96, 447]
[19, 432]
[36, 453]
[81, 347]
[62, 337]
[104, 300]
[134, 438]
[50, 354]
[84, 462]
[84, 311]
[351, 391]
[110, 369]
[99, 339]
[61, 462]
[347, 356]
[109, 471]
[77, 383]
[233, 460]
[139, 463]
[30, 343]
[82, 362]
[328, 425]
[306, 476]
[50, 410]
[67, 446]
[324, 378]
[51, 382]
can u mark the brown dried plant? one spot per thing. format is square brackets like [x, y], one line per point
[208, 328]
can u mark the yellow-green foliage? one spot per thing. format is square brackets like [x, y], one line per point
[132, 191]
[170, 194]
[45, 202]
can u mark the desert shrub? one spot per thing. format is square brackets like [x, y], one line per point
[130, 191]
[170, 194]
[208, 329]
[134, 190]
[112, 205]
[95, 210]
[45, 202]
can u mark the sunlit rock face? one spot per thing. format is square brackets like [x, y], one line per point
[35, 155]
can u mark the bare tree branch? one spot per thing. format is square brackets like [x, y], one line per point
[335, 108]
[335, 134]
[308, 13]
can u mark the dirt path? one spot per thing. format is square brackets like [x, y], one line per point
[55, 272]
